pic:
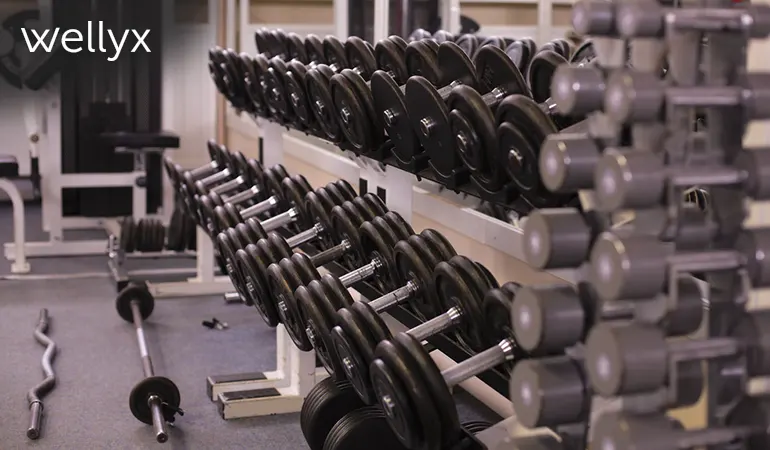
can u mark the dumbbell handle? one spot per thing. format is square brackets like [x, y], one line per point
[204, 171]
[229, 186]
[158, 421]
[362, 273]
[305, 236]
[146, 360]
[479, 363]
[233, 297]
[280, 220]
[437, 324]
[243, 196]
[695, 349]
[218, 177]
[260, 208]
[331, 254]
[394, 298]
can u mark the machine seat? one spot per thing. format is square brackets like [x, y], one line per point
[150, 142]
[9, 166]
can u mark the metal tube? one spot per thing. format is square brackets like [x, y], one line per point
[158, 421]
[280, 220]
[205, 171]
[360, 274]
[395, 297]
[146, 361]
[233, 297]
[243, 196]
[437, 324]
[34, 395]
[222, 175]
[478, 363]
[305, 236]
[229, 186]
[260, 208]
[331, 254]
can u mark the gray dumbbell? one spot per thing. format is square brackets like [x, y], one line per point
[594, 17]
[567, 162]
[556, 238]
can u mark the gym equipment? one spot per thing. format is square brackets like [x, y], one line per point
[414, 259]
[363, 424]
[543, 65]
[460, 286]
[373, 241]
[144, 235]
[36, 394]
[154, 400]
[10, 37]
[325, 404]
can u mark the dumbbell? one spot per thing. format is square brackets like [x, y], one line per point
[521, 52]
[218, 156]
[416, 396]
[472, 115]
[318, 205]
[371, 246]
[543, 66]
[636, 358]
[325, 404]
[639, 267]
[253, 262]
[414, 259]
[548, 319]
[746, 425]
[459, 288]
[226, 69]
[635, 179]
[266, 191]
[288, 197]
[154, 400]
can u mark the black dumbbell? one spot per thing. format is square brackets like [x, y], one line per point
[326, 403]
[218, 156]
[271, 42]
[371, 245]
[472, 115]
[154, 400]
[415, 395]
[543, 66]
[252, 263]
[287, 197]
[521, 52]
[414, 258]
[460, 286]
[226, 69]
[318, 204]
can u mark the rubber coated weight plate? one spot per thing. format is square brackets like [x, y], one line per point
[455, 66]
[431, 377]
[294, 81]
[412, 266]
[318, 205]
[430, 117]
[390, 58]
[584, 53]
[455, 288]
[377, 242]
[443, 36]
[325, 404]
[334, 51]
[140, 294]
[164, 388]
[276, 89]
[256, 174]
[389, 104]
[419, 34]
[422, 60]
[351, 114]
[176, 239]
[374, 204]
[319, 315]
[345, 222]
[438, 243]
[295, 188]
[365, 424]
[295, 48]
[346, 189]
[315, 49]
[127, 242]
[405, 400]
[352, 341]
[283, 279]
[496, 71]
[473, 126]
[364, 94]
[492, 41]
[320, 98]
[469, 43]
[541, 70]
[359, 54]
[251, 268]
[255, 87]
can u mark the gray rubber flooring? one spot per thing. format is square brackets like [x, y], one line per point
[98, 363]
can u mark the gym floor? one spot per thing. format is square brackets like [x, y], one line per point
[98, 362]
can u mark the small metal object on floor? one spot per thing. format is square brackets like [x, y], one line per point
[34, 396]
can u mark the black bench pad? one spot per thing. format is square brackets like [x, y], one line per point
[141, 141]
[9, 166]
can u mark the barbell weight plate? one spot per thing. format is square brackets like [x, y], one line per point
[365, 424]
[276, 91]
[346, 220]
[334, 52]
[352, 352]
[295, 90]
[277, 40]
[430, 376]
[318, 205]
[283, 278]
[468, 43]
[325, 404]
[424, 103]
[439, 244]
[540, 73]
[391, 58]
[351, 114]
[321, 102]
[314, 48]
[255, 80]
[372, 204]
[295, 188]
[260, 40]
[134, 292]
[584, 53]
[422, 60]
[162, 387]
[358, 53]
[410, 409]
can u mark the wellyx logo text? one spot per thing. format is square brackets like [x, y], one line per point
[74, 41]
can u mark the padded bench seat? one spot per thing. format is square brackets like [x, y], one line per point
[141, 141]
[9, 166]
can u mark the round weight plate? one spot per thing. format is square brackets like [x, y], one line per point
[473, 126]
[455, 65]
[260, 39]
[431, 377]
[283, 279]
[541, 70]
[361, 88]
[495, 70]
[419, 34]
[334, 51]
[497, 313]
[391, 58]
[319, 317]
[295, 188]
[348, 193]
[519, 54]
[412, 266]
[421, 60]
[401, 228]
[251, 270]
[438, 247]
[372, 203]
[295, 48]
[441, 36]
[354, 365]
[492, 41]
[365, 424]
[140, 294]
[256, 174]
[377, 242]
[584, 53]
[314, 48]
[345, 222]
[404, 399]
[359, 54]
[127, 242]
[351, 114]
[469, 43]
[294, 81]
[277, 95]
[429, 115]
[389, 104]
[162, 387]
[255, 87]
[321, 103]
[455, 289]
[325, 404]
[318, 205]
[277, 39]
